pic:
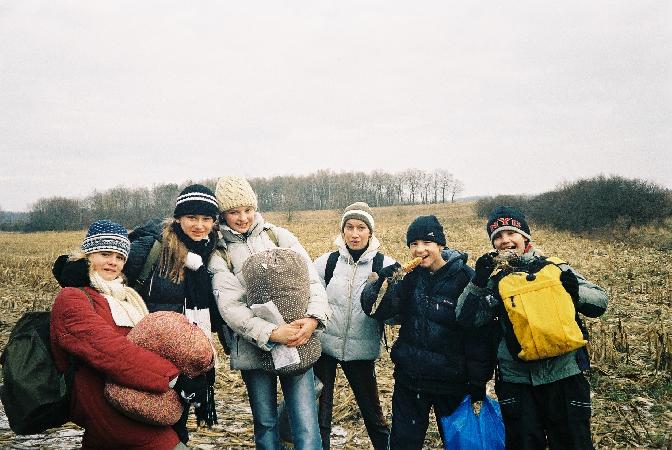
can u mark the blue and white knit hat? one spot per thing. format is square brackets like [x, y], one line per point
[106, 236]
[196, 199]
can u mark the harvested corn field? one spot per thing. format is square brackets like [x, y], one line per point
[631, 345]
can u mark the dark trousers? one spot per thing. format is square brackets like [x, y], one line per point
[556, 414]
[410, 415]
[362, 378]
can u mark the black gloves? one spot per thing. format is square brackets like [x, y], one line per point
[570, 283]
[199, 391]
[192, 390]
[485, 265]
[388, 271]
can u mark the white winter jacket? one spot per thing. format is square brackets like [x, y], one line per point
[350, 334]
[230, 289]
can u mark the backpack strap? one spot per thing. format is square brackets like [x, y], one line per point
[224, 253]
[72, 359]
[556, 261]
[88, 297]
[331, 265]
[272, 236]
[150, 262]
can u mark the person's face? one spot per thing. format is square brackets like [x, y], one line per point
[240, 219]
[510, 240]
[430, 252]
[107, 264]
[196, 226]
[356, 234]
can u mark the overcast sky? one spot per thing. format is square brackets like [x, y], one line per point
[511, 97]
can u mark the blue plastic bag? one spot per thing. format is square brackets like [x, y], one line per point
[464, 430]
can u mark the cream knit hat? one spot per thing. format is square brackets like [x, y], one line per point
[233, 192]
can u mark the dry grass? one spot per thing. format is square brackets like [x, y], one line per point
[631, 345]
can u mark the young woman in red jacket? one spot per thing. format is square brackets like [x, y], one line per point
[90, 319]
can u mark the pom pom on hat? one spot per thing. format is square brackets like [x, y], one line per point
[106, 236]
[196, 199]
[233, 192]
[425, 228]
[360, 211]
[507, 218]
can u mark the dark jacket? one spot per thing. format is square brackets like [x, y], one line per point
[433, 353]
[104, 354]
[159, 293]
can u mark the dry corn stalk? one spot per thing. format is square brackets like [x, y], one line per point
[397, 276]
[504, 258]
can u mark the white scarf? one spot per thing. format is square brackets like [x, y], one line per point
[126, 305]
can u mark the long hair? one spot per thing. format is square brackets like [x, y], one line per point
[173, 254]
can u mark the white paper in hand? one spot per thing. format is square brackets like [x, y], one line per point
[284, 356]
[269, 312]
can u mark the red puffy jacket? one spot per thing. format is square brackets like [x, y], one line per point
[103, 353]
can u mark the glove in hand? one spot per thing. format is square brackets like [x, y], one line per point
[388, 271]
[192, 390]
[570, 283]
[485, 265]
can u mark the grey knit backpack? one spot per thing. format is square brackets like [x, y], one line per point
[280, 275]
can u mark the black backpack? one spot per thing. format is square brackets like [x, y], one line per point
[36, 396]
[333, 259]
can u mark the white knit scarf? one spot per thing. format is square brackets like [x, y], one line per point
[126, 305]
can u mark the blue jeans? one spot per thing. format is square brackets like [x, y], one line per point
[299, 394]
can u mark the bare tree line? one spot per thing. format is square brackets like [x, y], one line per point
[324, 189]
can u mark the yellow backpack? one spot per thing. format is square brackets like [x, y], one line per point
[540, 312]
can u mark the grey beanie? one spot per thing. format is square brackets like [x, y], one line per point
[360, 211]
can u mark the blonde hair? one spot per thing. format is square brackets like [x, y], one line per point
[173, 254]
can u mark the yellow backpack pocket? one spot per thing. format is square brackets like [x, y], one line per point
[541, 313]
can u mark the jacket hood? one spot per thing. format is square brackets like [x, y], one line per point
[371, 250]
[71, 273]
[450, 256]
[454, 261]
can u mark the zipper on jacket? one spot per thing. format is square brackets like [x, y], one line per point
[347, 324]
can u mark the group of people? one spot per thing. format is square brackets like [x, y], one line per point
[451, 336]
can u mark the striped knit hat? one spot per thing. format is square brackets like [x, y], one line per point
[196, 199]
[233, 192]
[106, 236]
[507, 218]
[360, 211]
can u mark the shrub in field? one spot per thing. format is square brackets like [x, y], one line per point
[602, 203]
[484, 205]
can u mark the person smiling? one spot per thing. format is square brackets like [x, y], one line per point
[90, 319]
[545, 402]
[177, 279]
[352, 339]
[436, 362]
[244, 233]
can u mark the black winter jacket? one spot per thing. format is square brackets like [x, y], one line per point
[159, 293]
[433, 353]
